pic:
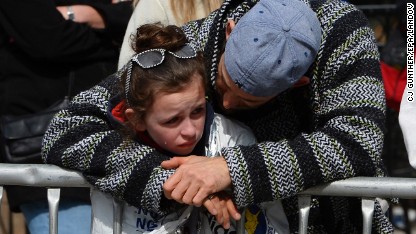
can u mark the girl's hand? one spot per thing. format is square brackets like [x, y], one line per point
[222, 207]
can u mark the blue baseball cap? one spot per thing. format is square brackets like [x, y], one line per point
[272, 46]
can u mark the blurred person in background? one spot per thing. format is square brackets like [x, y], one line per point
[42, 44]
[393, 69]
[165, 12]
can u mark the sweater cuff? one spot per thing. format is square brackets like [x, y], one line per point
[240, 177]
[152, 198]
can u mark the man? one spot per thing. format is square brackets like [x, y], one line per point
[327, 129]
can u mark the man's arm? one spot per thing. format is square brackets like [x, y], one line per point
[348, 111]
[81, 138]
[345, 135]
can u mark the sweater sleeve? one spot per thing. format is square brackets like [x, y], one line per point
[348, 111]
[81, 138]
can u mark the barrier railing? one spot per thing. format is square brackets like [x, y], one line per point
[54, 177]
[42, 175]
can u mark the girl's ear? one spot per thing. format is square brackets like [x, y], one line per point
[138, 124]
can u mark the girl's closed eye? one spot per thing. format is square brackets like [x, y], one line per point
[172, 121]
[198, 111]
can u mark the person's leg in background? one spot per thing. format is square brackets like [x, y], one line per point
[73, 217]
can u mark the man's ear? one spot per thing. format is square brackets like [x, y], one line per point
[230, 26]
[304, 80]
[131, 117]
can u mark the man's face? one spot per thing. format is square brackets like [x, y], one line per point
[232, 97]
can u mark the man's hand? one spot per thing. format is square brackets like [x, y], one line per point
[195, 178]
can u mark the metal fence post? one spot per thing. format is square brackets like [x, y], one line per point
[367, 207]
[304, 202]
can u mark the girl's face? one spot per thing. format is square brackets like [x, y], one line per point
[175, 121]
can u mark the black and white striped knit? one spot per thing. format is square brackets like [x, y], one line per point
[329, 130]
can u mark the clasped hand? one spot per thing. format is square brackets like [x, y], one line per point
[196, 178]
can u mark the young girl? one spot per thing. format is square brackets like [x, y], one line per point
[162, 103]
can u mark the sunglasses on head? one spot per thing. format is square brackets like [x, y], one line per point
[154, 57]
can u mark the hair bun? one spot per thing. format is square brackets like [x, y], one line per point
[151, 36]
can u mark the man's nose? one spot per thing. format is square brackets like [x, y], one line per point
[228, 102]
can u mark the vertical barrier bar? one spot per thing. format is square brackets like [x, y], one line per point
[367, 208]
[118, 208]
[1, 202]
[304, 203]
[53, 202]
[240, 223]
[1, 197]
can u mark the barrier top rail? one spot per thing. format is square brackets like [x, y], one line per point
[368, 188]
[40, 175]
[43, 175]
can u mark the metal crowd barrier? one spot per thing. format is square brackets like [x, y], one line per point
[54, 177]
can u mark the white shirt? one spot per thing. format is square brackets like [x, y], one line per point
[407, 120]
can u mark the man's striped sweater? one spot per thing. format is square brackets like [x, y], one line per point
[329, 130]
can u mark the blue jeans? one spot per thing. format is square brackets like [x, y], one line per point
[73, 217]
